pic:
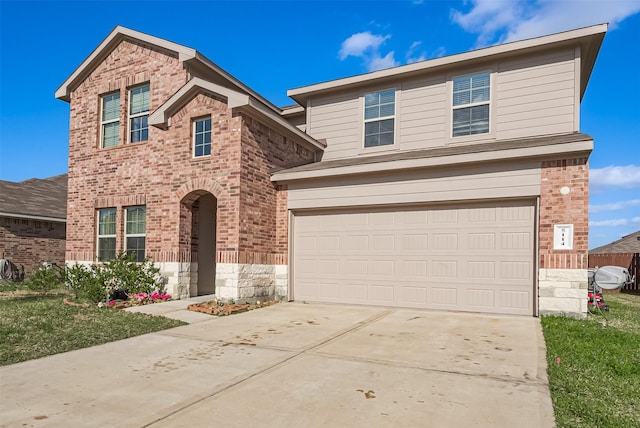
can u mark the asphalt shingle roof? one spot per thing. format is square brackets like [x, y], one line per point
[627, 244]
[35, 197]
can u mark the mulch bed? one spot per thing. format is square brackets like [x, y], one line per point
[222, 309]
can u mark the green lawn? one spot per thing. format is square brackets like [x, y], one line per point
[37, 326]
[596, 382]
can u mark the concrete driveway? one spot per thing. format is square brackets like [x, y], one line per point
[295, 365]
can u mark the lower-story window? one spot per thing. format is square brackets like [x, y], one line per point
[135, 231]
[106, 234]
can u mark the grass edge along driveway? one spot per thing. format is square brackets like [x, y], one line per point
[594, 369]
[37, 326]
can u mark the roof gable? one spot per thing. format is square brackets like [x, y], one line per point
[199, 64]
[108, 45]
[161, 118]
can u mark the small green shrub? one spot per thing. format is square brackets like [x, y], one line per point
[85, 282]
[46, 279]
[117, 278]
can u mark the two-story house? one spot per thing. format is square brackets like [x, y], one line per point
[457, 183]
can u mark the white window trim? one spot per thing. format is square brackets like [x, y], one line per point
[98, 236]
[492, 114]
[365, 121]
[133, 116]
[106, 122]
[134, 235]
[193, 138]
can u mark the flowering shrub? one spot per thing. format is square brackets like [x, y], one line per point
[118, 279]
[141, 299]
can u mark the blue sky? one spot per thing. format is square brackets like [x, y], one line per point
[275, 46]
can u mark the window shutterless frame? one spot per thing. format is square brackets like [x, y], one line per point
[106, 234]
[202, 137]
[109, 119]
[471, 104]
[135, 231]
[139, 113]
[379, 113]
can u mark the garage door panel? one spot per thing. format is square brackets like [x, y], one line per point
[412, 295]
[476, 257]
[442, 295]
[480, 298]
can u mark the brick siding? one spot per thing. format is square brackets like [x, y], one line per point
[572, 208]
[31, 242]
[162, 173]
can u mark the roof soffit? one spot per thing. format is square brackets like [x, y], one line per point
[539, 147]
[161, 118]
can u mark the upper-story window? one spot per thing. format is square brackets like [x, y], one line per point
[106, 234]
[110, 120]
[138, 114]
[379, 118]
[135, 231]
[471, 99]
[202, 137]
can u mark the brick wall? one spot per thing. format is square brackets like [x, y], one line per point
[562, 277]
[572, 208]
[32, 242]
[162, 173]
[129, 173]
[263, 204]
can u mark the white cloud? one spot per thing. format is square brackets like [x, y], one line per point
[614, 222]
[609, 223]
[413, 55]
[614, 206]
[367, 46]
[627, 177]
[360, 44]
[519, 19]
[377, 62]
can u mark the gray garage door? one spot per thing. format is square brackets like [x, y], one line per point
[475, 257]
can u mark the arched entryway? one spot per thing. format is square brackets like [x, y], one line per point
[198, 235]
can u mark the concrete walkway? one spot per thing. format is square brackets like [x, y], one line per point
[294, 365]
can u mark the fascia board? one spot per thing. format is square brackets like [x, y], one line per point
[33, 217]
[216, 68]
[302, 93]
[161, 117]
[108, 44]
[527, 152]
[277, 119]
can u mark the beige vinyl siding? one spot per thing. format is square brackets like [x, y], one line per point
[536, 95]
[337, 119]
[533, 95]
[448, 184]
[421, 113]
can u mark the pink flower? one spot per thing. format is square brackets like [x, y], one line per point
[558, 360]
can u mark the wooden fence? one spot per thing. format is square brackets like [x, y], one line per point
[629, 260]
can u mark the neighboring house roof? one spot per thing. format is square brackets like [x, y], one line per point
[441, 156]
[40, 199]
[627, 244]
[589, 39]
